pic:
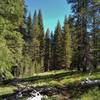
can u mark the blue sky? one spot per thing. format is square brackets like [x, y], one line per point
[52, 10]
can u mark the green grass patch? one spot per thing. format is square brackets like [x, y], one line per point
[65, 80]
[51, 79]
[7, 89]
[92, 94]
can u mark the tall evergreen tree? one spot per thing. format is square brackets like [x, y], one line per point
[52, 51]
[28, 49]
[67, 43]
[47, 51]
[58, 48]
[41, 29]
[94, 15]
[9, 24]
[29, 28]
[79, 8]
[35, 25]
[36, 44]
[41, 36]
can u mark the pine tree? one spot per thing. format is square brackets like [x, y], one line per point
[35, 25]
[47, 51]
[28, 49]
[41, 36]
[93, 14]
[6, 60]
[52, 51]
[36, 44]
[58, 48]
[83, 48]
[74, 44]
[10, 20]
[29, 28]
[41, 28]
[67, 43]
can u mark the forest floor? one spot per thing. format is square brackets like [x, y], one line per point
[58, 79]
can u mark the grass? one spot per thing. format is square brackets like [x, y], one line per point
[7, 90]
[65, 80]
[51, 79]
[92, 94]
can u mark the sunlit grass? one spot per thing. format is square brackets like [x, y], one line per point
[63, 81]
[7, 89]
[55, 81]
[50, 73]
[66, 80]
